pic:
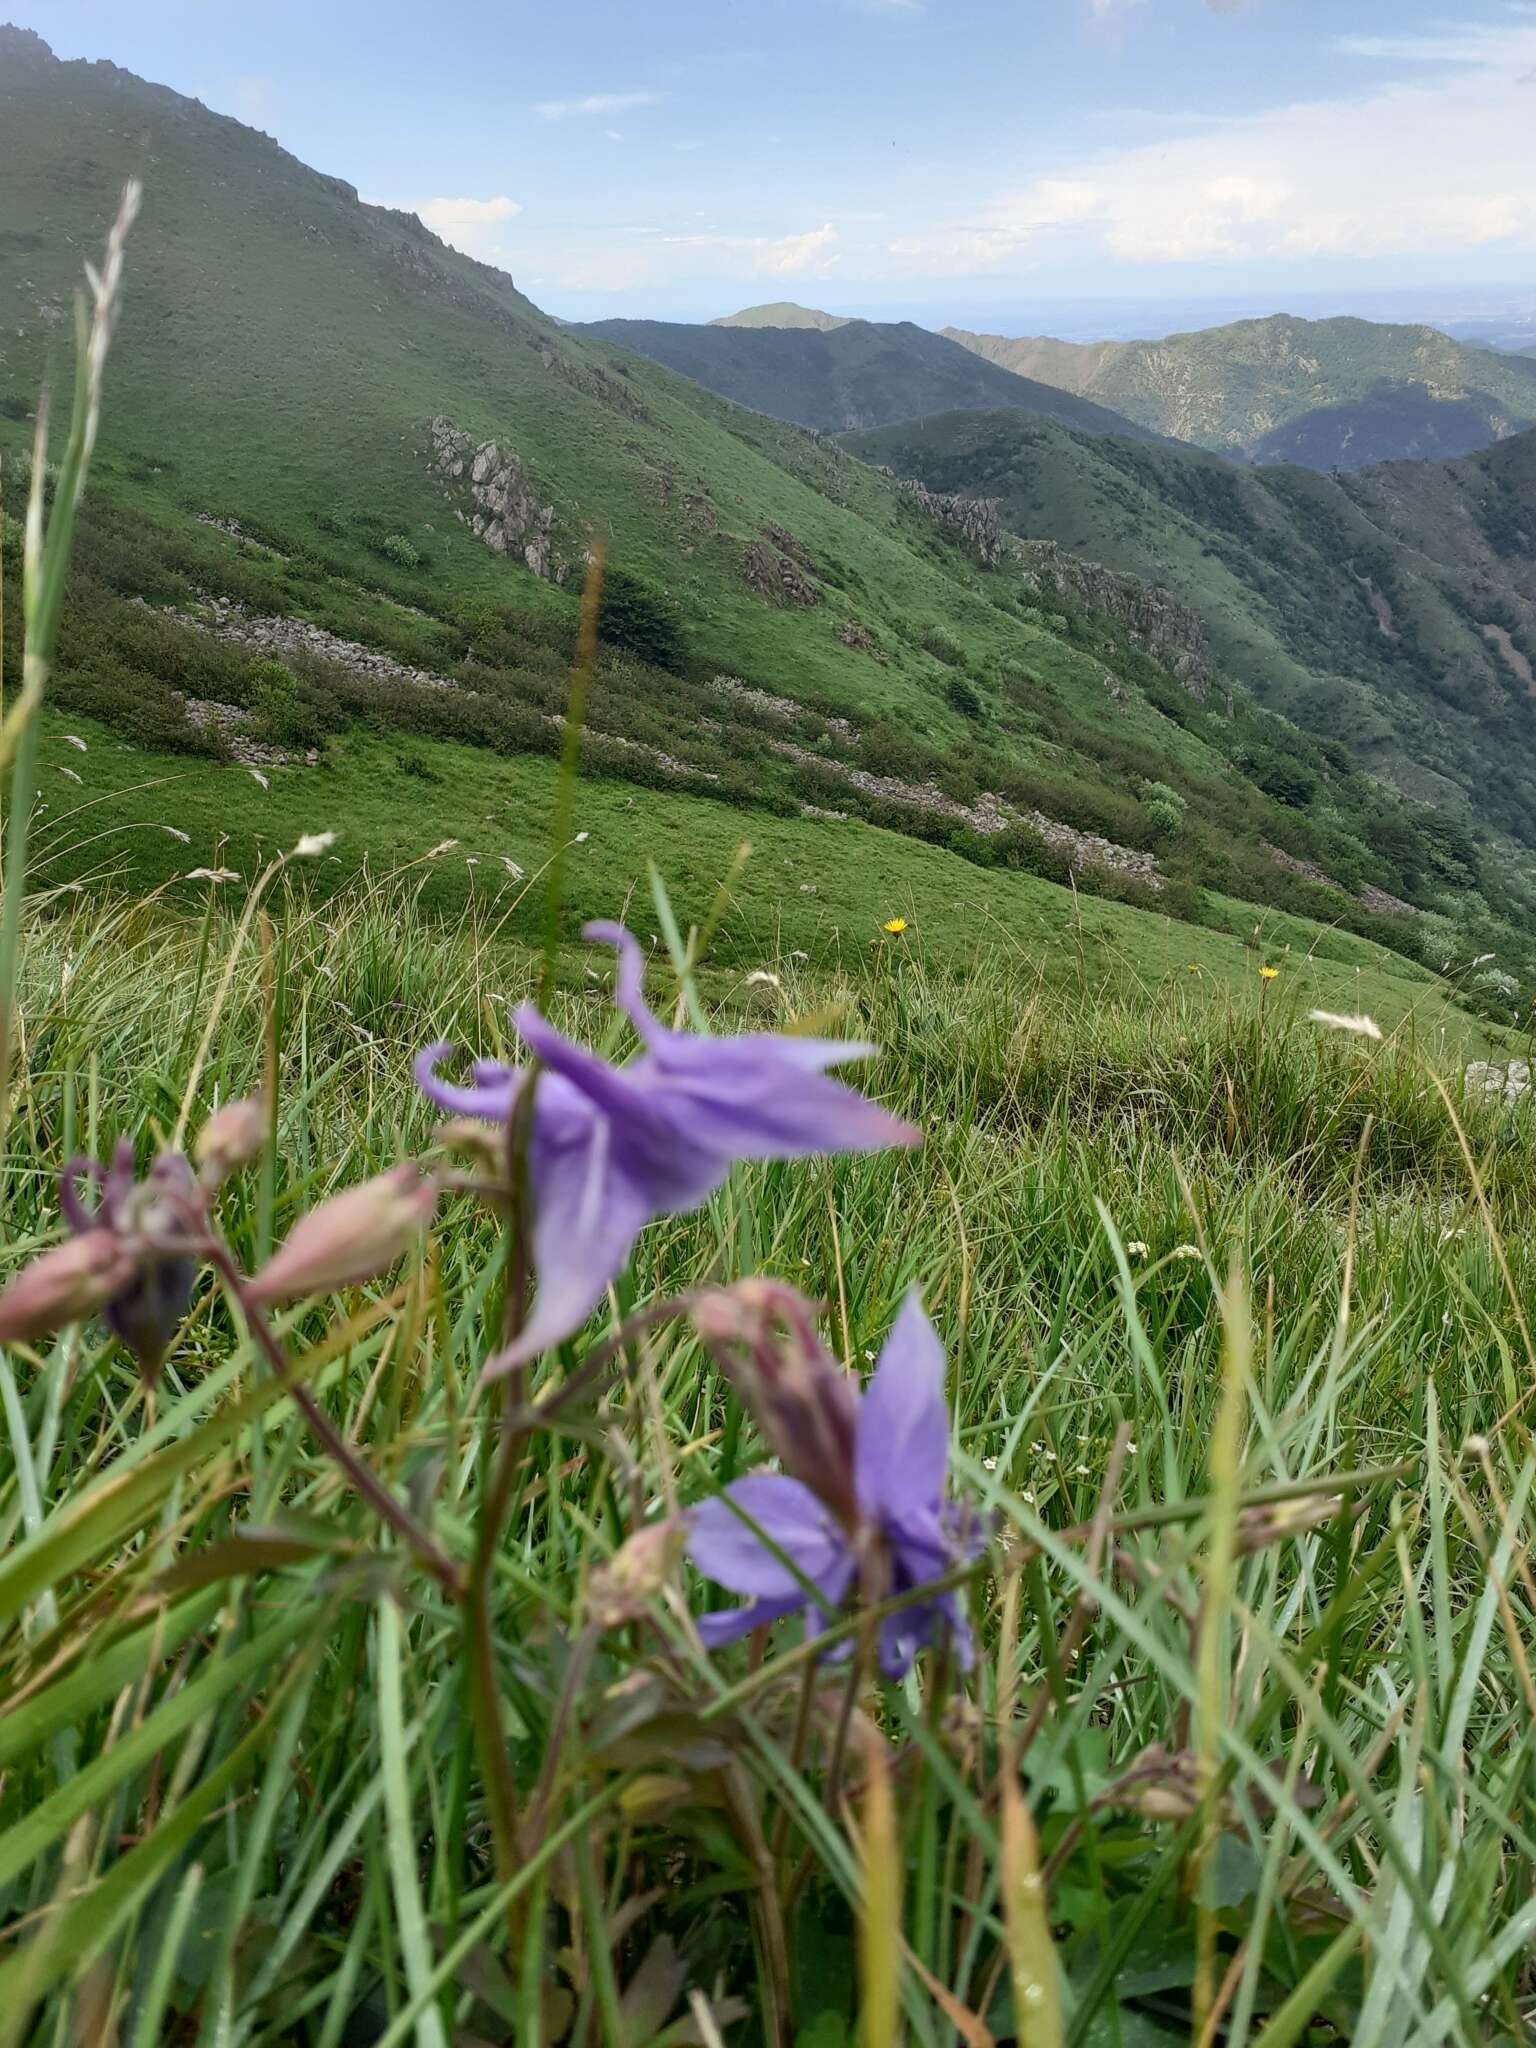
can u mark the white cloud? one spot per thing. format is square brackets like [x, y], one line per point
[1428, 167]
[593, 103]
[814, 253]
[471, 225]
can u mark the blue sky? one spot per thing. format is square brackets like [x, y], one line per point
[681, 157]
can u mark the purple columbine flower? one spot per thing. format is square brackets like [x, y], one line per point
[770, 1537]
[612, 1147]
[149, 1219]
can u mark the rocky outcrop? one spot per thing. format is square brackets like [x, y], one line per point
[508, 514]
[1380, 901]
[1383, 902]
[232, 726]
[1488, 1080]
[284, 639]
[858, 637]
[237, 532]
[975, 520]
[777, 567]
[1152, 618]
[988, 816]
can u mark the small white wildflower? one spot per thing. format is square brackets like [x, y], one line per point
[1130, 1450]
[989, 1464]
[582, 838]
[1136, 1249]
[1028, 1499]
[70, 773]
[1185, 1251]
[73, 739]
[1081, 1471]
[1363, 1027]
[313, 843]
[257, 776]
[807, 888]
[870, 1356]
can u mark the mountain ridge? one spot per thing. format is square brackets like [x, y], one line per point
[781, 313]
[1339, 392]
[861, 373]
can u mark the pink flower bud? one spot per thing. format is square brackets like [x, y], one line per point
[63, 1286]
[624, 1588]
[762, 1334]
[349, 1238]
[231, 1138]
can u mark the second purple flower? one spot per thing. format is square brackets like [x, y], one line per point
[613, 1147]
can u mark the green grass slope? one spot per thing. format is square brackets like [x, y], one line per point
[283, 351]
[911, 674]
[857, 373]
[1331, 393]
[1394, 611]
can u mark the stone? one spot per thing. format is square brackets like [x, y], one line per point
[1488, 1080]
[1152, 618]
[508, 514]
[776, 566]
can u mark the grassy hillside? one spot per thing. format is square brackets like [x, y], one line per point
[781, 313]
[1373, 608]
[285, 566]
[1330, 393]
[857, 373]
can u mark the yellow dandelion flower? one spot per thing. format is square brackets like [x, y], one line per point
[895, 926]
[1269, 974]
[1193, 968]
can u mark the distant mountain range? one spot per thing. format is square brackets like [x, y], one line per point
[1393, 608]
[1328, 393]
[850, 374]
[781, 313]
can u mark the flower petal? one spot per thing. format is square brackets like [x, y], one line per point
[731, 1623]
[492, 1095]
[629, 992]
[765, 1097]
[587, 1215]
[726, 1540]
[902, 1447]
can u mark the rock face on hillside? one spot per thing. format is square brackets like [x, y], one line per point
[508, 515]
[1159, 623]
[777, 567]
[974, 519]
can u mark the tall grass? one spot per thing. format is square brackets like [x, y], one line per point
[242, 1801]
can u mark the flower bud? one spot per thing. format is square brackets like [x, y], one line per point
[231, 1138]
[154, 1218]
[349, 1238]
[762, 1334]
[64, 1285]
[623, 1589]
